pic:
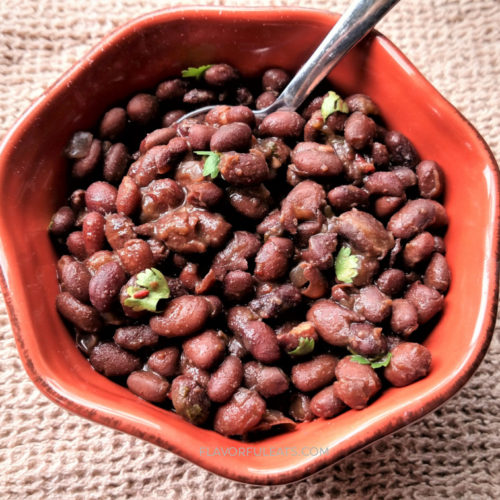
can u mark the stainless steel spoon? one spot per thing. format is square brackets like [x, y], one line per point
[355, 23]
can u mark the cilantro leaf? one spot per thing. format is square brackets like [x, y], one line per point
[346, 265]
[197, 73]
[374, 363]
[332, 103]
[151, 287]
[306, 346]
[211, 165]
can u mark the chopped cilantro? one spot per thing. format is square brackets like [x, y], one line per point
[346, 265]
[374, 363]
[332, 103]
[151, 287]
[306, 346]
[211, 165]
[195, 72]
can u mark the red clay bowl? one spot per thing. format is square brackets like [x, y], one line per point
[142, 53]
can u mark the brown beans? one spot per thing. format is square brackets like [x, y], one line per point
[278, 301]
[311, 159]
[332, 322]
[416, 216]
[252, 202]
[235, 136]
[142, 108]
[135, 256]
[115, 162]
[206, 349]
[365, 233]
[74, 278]
[427, 301]
[257, 337]
[101, 197]
[240, 414]
[265, 99]
[299, 408]
[170, 90]
[62, 221]
[384, 183]
[269, 380]
[93, 232]
[118, 230]
[113, 123]
[275, 79]
[112, 361]
[409, 362]
[244, 169]
[373, 304]
[406, 176]
[199, 97]
[184, 315]
[84, 317]
[362, 103]
[190, 400]
[271, 262]
[284, 124]
[404, 319]
[391, 282]
[148, 386]
[225, 380]
[128, 196]
[83, 167]
[430, 179]
[359, 130]
[165, 361]
[343, 198]
[98, 259]
[105, 286]
[136, 337]
[312, 375]
[401, 150]
[367, 340]
[356, 384]
[220, 75]
[437, 275]
[204, 194]
[326, 404]
[158, 197]
[418, 249]
[238, 285]
[385, 206]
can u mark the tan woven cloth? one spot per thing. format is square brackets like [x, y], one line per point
[47, 453]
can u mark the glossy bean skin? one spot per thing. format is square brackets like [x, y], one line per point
[134, 338]
[416, 216]
[200, 376]
[206, 349]
[118, 230]
[100, 197]
[157, 137]
[356, 384]
[311, 159]
[404, 319]
[277, 302]
[142, 108]
[252, 202]
[325, 404]
[312, 375]
[135, 256]
[74, 278]
[190, 400]
[115, 162]
[426, 300]
[256, 336]
[204, 194]
[158, 197]
[367, 340]
[225, 380]
[384, 183]
[244, 169]
[271, 261]
[105, 285]
[418, 249]
[148, 386]
[391, 282]
[373, 304]
[93, 233]
[113, 123]
[343, 198]
[81, 315]
[363, 104]
[113, 361]
[128, 197]
[172, 89]
[430, 179]
[275, 79]
[83, 167]
[238, 285]
[62, 221]
[165, 361]
[284, 124]
[240, 414]
[409, 362]
[359, 130]
[300, 408]
[235, 136]
[200, 135]
[183, 316]
[268, 381]
[437, 275]
[220, 75]
[332, 321]
[222, 115]
[401, 150]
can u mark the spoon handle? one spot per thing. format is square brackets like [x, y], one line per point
[355, 23]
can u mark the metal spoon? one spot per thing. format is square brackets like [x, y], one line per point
[355, 23]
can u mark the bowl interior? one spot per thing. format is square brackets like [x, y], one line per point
[139, 55]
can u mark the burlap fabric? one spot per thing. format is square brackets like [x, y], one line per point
[47, 453]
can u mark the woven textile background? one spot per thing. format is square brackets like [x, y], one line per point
[47, 453]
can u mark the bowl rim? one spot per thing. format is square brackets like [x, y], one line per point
[294, 472]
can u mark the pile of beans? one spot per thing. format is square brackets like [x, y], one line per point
[288, 264]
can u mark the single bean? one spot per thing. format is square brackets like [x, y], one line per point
[118, 230]
[418, 249]
[128, 197]
[98, 259]
[142, 108]
[275, 79]
[404, 319]
[136, 337]
[105, 286]
[284, 124]
[380, 154]
[325, 404]
[367, 340]
[343, 198]
[165, 361]
[271, 262]
[199, 136]
[299, 408]
[93, 232]
[86, 165]
[385, 206]
[225, 380]
[113, 123]
[190, 400]
[158, 197]
[171, 90]
[311, 159]
[221, 75]
[199, 97]
[84, 317]
[115, 162]
[135, 255]
[359, 130]
[238, 285]
[62, 221]
[362, 103]
[206, 349]
[148, 386]
[101, 197]
[427, 301]
[409, 362]
[384, 183]
[113, 361]
[430, 179]
[373, 304]
[235, 136]
[437, 275]
[74, 278]
[391, 282]
[406, 175]
[243, 169]
[401, 150]
[265, 99]
[312, 375]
